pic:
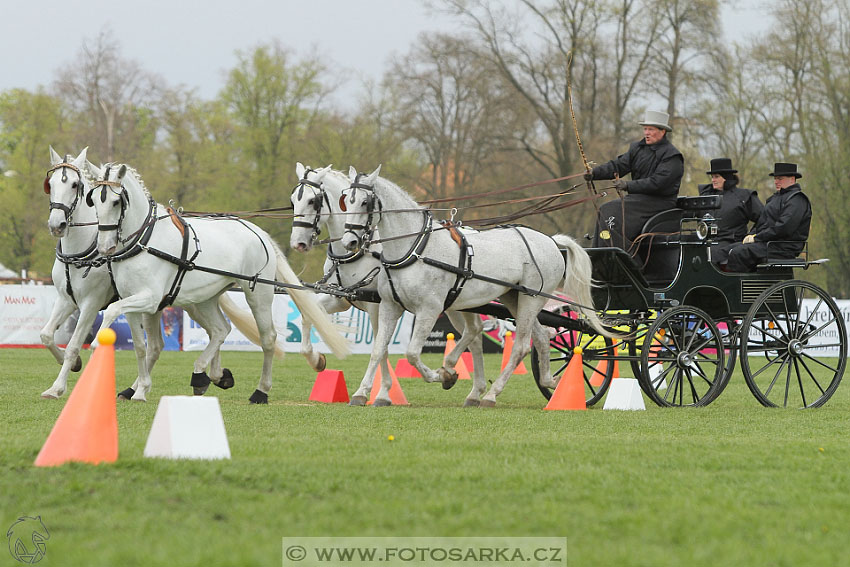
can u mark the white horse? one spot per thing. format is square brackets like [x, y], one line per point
[155, 262]
[316, 202]
[423, 265]
[78, 284]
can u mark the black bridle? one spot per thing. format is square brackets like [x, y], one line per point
[111, 185]
[77, 186]
[373, 205]
[320, 197]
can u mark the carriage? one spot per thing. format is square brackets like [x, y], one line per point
[686, 323]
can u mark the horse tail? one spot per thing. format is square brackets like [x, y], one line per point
[310, 308]
[244, 321]
[578, 282]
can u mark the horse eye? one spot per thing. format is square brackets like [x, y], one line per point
[75, 185]
[116, 203]
[311, 201]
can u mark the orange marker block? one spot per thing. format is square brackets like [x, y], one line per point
[569, 395]
[329, 387]
[397, 396]
[506, 354]
[403, 369]
[460, 367]
[87, 429]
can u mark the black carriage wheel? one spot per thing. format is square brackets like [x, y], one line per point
[779, 348]
[596, 349]
[682, 359]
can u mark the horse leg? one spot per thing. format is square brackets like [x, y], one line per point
[383, 325]
[88, 312]
[260, 302]
[209, 316]
[473, 326]
[525, 314]
[142, 385]
[62, 309]
[421, 329]
[317, 360]
[540, 341]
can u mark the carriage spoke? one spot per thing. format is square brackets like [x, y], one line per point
[787, 384]
[800, 382]
[812, 376]
[813, 359]
[775, 378]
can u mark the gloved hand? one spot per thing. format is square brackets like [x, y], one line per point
[621, 184]
[749, 238]
[588, 176]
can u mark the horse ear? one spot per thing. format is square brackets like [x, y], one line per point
[342, 206]
[54, 157]
[374, 175]
[299, 170]
[352, 173]
[320, 174]
[81, 159]
[122, 172]
[89, 202]
[94, 170]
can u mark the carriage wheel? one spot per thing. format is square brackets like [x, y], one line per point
[597, 361]
[682, 359]
[779, 350]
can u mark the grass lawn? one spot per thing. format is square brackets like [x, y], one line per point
[729, 484]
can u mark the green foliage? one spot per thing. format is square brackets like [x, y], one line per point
[729, 484]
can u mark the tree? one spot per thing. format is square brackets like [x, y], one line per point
[111, 98]
[29, 124]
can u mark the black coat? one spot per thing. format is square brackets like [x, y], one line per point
[656, 172]
[787, 215]
[738, 208]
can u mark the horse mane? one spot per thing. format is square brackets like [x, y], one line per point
[409, 201]
[139, 181]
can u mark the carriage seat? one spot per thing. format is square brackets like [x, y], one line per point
[660, 253]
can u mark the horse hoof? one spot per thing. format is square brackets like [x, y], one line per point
[358, 401]
[379, 403]
[471, 403]
[226, 381]
[49, 396]
[125, 395]
[78, 365]
[259, 397]
[323, 363]
[487, 404]
[200, 382]
[449, 377]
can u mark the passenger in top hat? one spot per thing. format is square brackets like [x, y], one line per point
[656, 169]
[782, 228]
[738, 207]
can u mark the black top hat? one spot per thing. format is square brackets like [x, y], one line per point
[787, 169]
[721, 165]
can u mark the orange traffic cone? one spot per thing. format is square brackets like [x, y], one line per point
[569, 395]
[602, 367]
[403, 369]
[397, 396]
[506, 354]
[329, 387]
[460, 367]
[87, 429]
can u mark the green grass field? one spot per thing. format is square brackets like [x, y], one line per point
[730, 484]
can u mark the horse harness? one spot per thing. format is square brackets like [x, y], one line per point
[319, 199]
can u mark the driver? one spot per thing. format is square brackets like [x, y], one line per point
[656, 167]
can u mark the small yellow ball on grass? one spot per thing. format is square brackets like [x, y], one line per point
[106, 337]
[391, 438]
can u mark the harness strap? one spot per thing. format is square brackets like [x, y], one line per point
[184, 265]
[464, 271]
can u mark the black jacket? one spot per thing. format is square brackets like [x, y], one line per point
[656, 170]
[738, 208]
[787, 215]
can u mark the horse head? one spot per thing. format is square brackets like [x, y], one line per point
[359, 202]
[110, 200]
[65, 184]
[308, 200]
